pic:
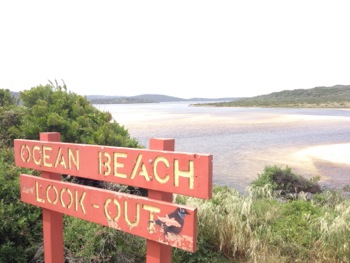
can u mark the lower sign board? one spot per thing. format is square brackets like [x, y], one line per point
[167, 223]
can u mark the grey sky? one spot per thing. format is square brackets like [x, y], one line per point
[178, 48]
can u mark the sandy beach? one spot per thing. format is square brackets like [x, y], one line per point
[331, 162]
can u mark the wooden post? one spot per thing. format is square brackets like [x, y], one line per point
[157, 252]
[52, 221]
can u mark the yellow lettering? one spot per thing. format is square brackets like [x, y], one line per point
[80, 201]
[25, 151]
[60, 159]
[37, 148]
[152, 210]
[143, 171]
[119, 165]
[137, 220]
[105, 209]
[37, 198]
[187, 174]
[48, 196]
[69, 205]
[158, 178]
[46, 149]
[73, 159]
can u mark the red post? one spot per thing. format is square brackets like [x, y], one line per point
[157, 252]
[52, 221]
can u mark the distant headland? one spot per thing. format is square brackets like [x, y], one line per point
[147, 98]
[319, 97]
[337, 96]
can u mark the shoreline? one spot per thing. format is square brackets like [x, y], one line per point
[329, 161]
[245, 141]
[334, 153]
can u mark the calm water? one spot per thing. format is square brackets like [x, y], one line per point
[243, 140]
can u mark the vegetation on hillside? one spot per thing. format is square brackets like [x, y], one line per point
[146, 98]
[319, 97]
[283, 218]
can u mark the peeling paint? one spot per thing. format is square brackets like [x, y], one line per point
[113, 224]
[29, 190]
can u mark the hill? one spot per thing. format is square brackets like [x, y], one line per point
[145, 98]
[14, 94]
[319, 97]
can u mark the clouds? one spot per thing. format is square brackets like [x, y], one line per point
[217, 48]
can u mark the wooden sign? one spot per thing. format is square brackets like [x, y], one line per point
[164, 222]
[182, 173]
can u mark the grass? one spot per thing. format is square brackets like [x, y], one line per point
[269, 227]
[246, 229]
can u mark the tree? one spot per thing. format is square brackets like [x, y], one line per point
[10, 116]
[48, 108]
[52, 108]
[6, 99]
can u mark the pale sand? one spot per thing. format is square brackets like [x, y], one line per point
[334, 153]
[330, 162]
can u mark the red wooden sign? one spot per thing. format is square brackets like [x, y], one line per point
[159, 170]
[182, 173]
[164, 222]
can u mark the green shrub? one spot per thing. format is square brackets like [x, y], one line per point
[51, 109]
[54, 109]
[89, 242]
[20, 227]
[295, 229]
[284, 182]
[243, 228]
[335, 233]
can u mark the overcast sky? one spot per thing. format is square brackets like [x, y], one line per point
[179, 48]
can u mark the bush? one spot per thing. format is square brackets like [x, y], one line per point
[52, 109]
[243, 228]
[284, 182]
[20, 228]
[88, 242]
[10, 116]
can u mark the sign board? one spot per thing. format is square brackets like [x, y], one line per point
[164, 222]
[181, 173]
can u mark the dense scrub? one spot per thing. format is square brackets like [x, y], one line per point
[325, 97]
[268, 226]
[283, 217]
[49, 108]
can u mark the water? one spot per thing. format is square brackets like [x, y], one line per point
[244, 140]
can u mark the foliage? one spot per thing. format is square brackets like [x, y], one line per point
[89, 242]
[335, 232]
[249, 229]
[284, 182]
[297, 228]
[334, 97]
[46, 108]
[6, 99]
[146, 98]
[20, 228]
[10, 116]
[53, 109]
